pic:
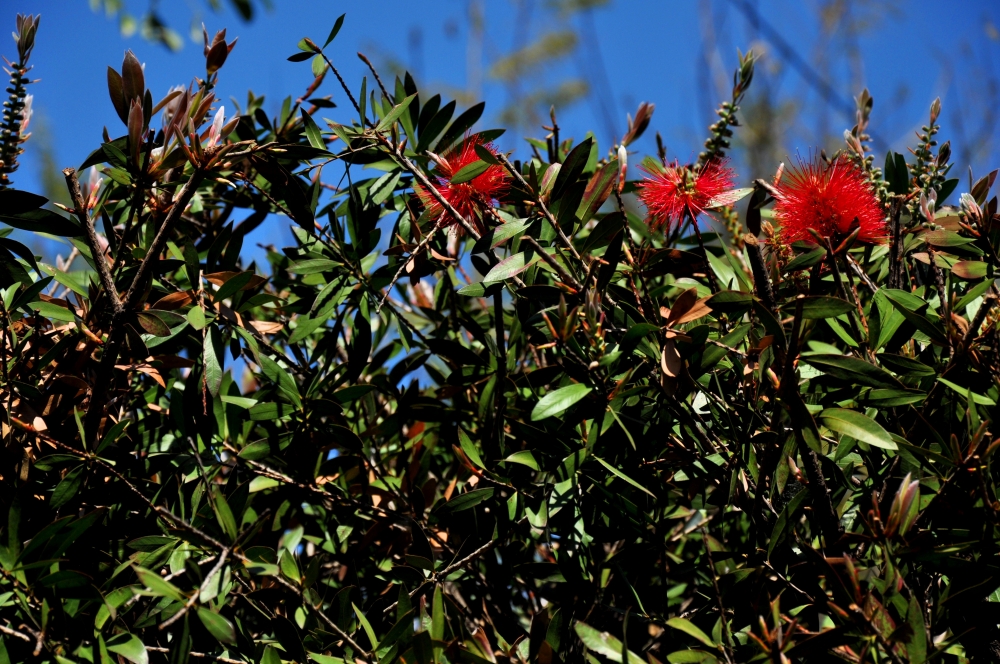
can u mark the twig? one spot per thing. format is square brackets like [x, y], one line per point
[185, 196]
[761, 280]
[726, 634]
[194, 597]
[201, 655]
[862, 275]
[567, 278]
[541, 205]
[709, 272]
[13, 632]
[103, 270]
[378, 80]
[183, 524]
[862, 340]
[99, 392]
[437, 576]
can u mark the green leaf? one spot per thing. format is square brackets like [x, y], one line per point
[67, 488]
[932, 328]
[212, 356]
[727, 198]
[157, 585]
[572, 168]
[508, 230]
[313, 266]
[151, 543]
[235, 283]
[906, 366]
[820, 306]
[366, 625]
[42, 221]
[29, 293]
[458, 128]
[598, 190]
[470, 448]
[691, 656]
[282, 378]
[196, 318]
[976, 291]
[325, 659]
[437, 614]
[383, 187]
[559, 401]
[394, 114]
[943, 238]
[467, 500]
[624, 476]
[604, 644]
[784, 519]
[351, 394]
[14, 201]
[484, 153]
[53, 311]
[312, 131]
[857, 425]
[336, 29]
[729, 300]
[969, 269]
[218, 626]
[241, 402]
[806, 260]
[525, 458]
[892, 398]
[130, 647]
[853, 370]
[113, 434]
[916, 648]
[691, 629]
[255, 451]
[289, 567]
[470, 172]
[152, 324]
[965, 392]
[223, 513]
[511, 266]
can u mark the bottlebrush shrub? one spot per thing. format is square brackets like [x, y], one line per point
[487, 410]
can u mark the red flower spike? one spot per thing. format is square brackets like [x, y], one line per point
[671, 191]
[470, 198]
[832, 200]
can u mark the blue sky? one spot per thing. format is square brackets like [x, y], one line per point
[630, 51]
[676, 54]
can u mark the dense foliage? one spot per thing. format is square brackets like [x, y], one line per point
[488, 410]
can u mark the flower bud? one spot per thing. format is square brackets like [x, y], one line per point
[622, 166]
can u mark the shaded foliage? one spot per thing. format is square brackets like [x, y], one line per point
[559, 434]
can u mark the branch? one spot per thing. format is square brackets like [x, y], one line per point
[202, 655]
[73, 184]
[181, 523]
[541, 205]
[13, 632]
[185, 196]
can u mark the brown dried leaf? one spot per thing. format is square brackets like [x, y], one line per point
[687, 308]
[699, 309]
[266, 326]
[671, 365]
[219, 278]
[174, 301]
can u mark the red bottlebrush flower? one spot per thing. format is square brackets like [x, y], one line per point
[671, 191]
[470, 198]
[831, 199]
